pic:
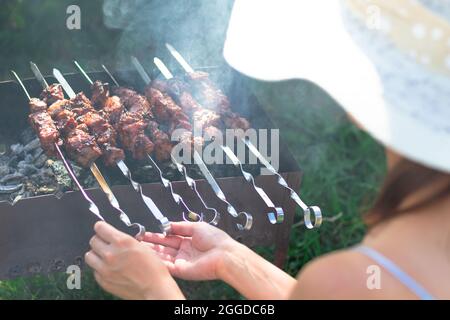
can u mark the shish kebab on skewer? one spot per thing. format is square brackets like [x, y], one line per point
[50, 139]
[135, 119]
[206, 123]
[212, 97]
[169, 113]
[80, 144]
[101, 127]
[111, 106]
[178, 89]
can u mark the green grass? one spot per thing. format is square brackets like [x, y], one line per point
[342, 166]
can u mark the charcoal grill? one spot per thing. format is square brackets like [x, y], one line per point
[45, 234]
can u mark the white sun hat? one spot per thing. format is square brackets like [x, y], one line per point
[386, 62]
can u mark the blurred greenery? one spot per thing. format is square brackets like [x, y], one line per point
[342, 165]
[35, 30]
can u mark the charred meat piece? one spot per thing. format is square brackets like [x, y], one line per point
[112, 155]
[211, 97]
[163, 145]
[164, 107]
[134, 102]
[100, 93]
[179, 91]
[52, 93]
[113, 109]
[205, 118]
[206, 92]
[81, 147]
[79, 143]
[80, 105]
[62, 116]
[103, 132]
[43, 126]
[132, 135]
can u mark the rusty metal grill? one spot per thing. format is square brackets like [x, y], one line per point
[44, 234]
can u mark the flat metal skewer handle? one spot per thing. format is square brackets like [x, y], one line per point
[163, 221]
[275, 214]
[96, 172]
[92, 206]
[219, 193]
[307, 210]
[193, 185]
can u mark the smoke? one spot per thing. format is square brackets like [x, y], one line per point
[196, 28]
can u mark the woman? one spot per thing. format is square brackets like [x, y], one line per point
[388, 64]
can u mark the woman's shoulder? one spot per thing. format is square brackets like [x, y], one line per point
[339, 275]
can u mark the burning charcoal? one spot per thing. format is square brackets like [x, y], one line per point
[10, 188]
[26, 169]
[29, 159]
[11, 178]
[4, 170]
[33, 144]
[12, 162]
[27, 135]
[37, 153]
[17, 148]
[40, 161]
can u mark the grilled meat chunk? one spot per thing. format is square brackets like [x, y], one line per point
[52, 93]
[100, 93]
[43, 126]
[163, 145]
[113, 109]
[62, 116]
[81, 147]
[164, 107]
[133, 101]
[103, 132]
[79, 144]
[132, 135]
[211, 97]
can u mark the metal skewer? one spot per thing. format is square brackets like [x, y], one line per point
[275, 214]
[181, 168]
[204, 169]
[92, 206]
[94, 169]
[307, 210]
[188, 214]
[164, 222]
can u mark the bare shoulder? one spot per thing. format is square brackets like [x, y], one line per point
[338, 275]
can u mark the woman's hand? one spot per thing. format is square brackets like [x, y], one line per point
[193, 250]
[127, 268]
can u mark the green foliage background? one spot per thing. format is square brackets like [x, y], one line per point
[343, 166]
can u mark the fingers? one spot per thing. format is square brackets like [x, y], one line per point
[172, 241]
[108, 233]
[99, 247]
[93, 260]
[183, 228]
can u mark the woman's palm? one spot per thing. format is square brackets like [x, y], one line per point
[194, 253]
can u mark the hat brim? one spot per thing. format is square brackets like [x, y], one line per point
[279, 40]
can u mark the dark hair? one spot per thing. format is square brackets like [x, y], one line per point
[405, 179]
